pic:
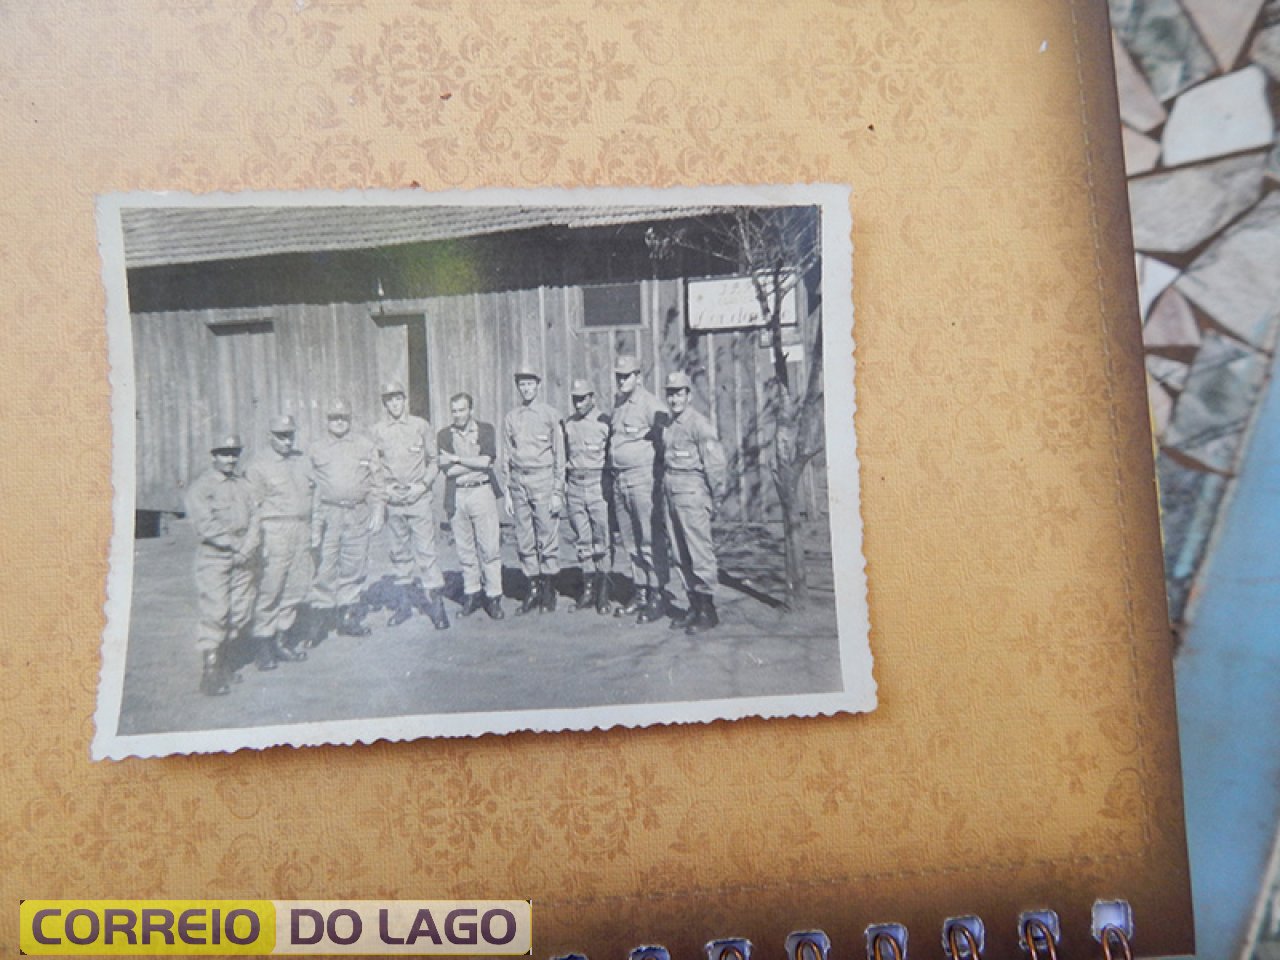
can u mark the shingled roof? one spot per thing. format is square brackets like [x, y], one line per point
[161, 236]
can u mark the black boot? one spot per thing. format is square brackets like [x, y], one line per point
[533, 599]
[470, 604]
[548, 593]
[655, 609]
[707, 619]
[690, 616]
[323, 622]
[350, 621]
[602, 593]
[493, 607]
[213, 678]
[639, 598]
[284, 650]
[401, 609]
[436, 611]
[586, 597]
[264, 656]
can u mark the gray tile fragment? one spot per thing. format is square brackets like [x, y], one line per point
[1189, 501]
[1164, 44]
[1217, 398]
[1237, 279]
[1169, 373]
[1178, 210]
[1265, 51]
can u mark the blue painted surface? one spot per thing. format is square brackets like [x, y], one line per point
[1228, 677]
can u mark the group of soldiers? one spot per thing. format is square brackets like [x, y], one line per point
[291, 533]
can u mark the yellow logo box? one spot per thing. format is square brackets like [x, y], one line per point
[189, 928]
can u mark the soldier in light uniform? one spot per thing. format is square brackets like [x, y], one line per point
[534, 451]
[468, 452]
[407, 468]
[280, 478]
[638, 419]
[223, 514]
[346, 513]
[693, 482]
[586, 443]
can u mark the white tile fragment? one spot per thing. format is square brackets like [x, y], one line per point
[1171, 323]
[1141, 153]
[1153, 277]
[1139, 107]
[1225, 115]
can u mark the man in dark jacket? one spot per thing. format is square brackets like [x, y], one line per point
[468, 450]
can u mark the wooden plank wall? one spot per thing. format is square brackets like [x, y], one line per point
[193, 383]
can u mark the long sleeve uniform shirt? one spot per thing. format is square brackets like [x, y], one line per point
[344, 468]
[406, 451]
[586, 442]
[691, 450]
[637, 420]
[534, 440]
[221, 510]
[281, 485]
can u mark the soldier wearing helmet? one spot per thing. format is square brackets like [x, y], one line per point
[280, 478]
[586, 444]
[408, 464]
[638, 419]
[347, 512]
[534, 450]
[223, 514]
[693, 484]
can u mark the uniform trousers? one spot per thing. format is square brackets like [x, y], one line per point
[344, 554]
[286, 574]
[638, 523]
[224, 584]
[478, 539]
[589, 517]
[537, 529]
[413, 542]
[689, 510]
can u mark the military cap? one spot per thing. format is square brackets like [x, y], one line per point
[392, 386]
[679, 380]
[581, 388]
[338, 408]
[227, 441]
[526, 372]
[626, 363]
[283, 424]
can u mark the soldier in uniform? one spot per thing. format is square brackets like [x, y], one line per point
[534, 449]
[280, 478]
[222, 511]
[586, 443]
[693, 482]
[407, 466]
[346, 513]
[468, 452]
[638, 419]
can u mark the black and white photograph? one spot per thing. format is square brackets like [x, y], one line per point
[398, 464]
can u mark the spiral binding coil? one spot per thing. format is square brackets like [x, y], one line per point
[963, 938]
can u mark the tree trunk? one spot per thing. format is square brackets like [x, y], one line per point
[786, 479]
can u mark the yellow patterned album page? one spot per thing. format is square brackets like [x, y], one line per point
[300, 298]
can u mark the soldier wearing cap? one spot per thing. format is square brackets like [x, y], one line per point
[408, 467]
[223, 514]
[468, 452]
[586, 444]
[638, 419]
[280, 478]
[534, 452]
[693, 483]
[346, 512]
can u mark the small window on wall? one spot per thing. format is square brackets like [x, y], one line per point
[612, 305]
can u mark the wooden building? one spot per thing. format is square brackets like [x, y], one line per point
[242, 313]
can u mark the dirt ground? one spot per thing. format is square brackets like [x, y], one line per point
[560, 659]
